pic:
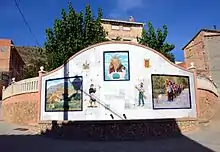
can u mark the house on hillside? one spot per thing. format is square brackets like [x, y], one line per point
[119, 30]
[204, 50]
[11, 63]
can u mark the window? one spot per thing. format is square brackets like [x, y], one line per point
[3, 48]
[115, 27]
[126, 40]
[126, 28]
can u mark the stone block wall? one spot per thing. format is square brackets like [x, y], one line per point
[207, 102]
[195, 52]
[212, 44]
[132, 34]
[117, 130]
[200, 51]
[21, 109]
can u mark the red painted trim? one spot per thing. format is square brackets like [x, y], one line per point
[22, 93]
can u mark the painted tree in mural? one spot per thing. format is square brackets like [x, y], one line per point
[70, 34]
[157, 40]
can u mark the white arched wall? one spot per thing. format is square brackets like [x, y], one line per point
[137, 54]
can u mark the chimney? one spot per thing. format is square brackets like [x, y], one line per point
[131, 19]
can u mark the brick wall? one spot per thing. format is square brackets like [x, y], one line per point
[10, 61]
[198, 52]
[21, 109]
[16, 65]
[195, 52]
[212, 45]
[4, 57]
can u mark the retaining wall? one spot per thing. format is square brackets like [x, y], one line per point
[20, 102]
[20, 105]
[21, 109]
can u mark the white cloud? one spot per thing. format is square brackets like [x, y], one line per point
[123, 6]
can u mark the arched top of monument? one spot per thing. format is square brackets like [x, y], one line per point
[119, 42]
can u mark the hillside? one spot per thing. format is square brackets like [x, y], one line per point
[30, 54]
[33, 57]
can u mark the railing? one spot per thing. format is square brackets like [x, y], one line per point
[23, 86]
[206, 84]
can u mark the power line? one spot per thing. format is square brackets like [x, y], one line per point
[25, 21]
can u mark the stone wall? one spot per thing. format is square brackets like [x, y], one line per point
[132, 34]
[212, 45]
[21, 109]
[198, 51]
[207, 101]
[195, 52]
[117, 130]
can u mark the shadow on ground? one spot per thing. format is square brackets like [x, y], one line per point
[135, 136]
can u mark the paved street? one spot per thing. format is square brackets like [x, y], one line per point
[181, 101]
[205, 140]
[0, 110]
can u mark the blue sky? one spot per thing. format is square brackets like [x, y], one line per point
[184, 18]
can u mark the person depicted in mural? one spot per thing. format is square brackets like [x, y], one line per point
[173, 89]
[141, 94]
[116, 69]
[92, 91]
[169, 91]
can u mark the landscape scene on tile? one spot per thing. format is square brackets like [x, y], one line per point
[116, 66]
[171, 92]
[64, 94]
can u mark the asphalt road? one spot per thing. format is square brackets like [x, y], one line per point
[0, 110]
[205, 140]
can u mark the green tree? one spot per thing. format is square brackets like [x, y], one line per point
[183, 81]
[157, 40]
[158, 82]
[71, 33]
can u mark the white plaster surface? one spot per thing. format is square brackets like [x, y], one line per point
[124, 90]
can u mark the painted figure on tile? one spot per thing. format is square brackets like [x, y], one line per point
[86, 65]
[116, 67]
[170, 91]
[92, 91]
[141, 95]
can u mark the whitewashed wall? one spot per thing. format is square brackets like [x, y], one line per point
[137, 71]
